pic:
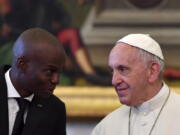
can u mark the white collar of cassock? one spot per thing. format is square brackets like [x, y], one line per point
[155, 102]
[11, 91]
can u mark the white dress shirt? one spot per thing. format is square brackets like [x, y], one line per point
[13, 106]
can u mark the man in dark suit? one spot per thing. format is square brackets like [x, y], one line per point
[38, 60]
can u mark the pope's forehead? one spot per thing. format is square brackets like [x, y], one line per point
[123, 51]
[123, 46]
[127, 59]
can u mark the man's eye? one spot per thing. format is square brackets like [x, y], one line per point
[123, 70]
[49, 72]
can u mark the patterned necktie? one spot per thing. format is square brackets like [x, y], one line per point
[19, 121]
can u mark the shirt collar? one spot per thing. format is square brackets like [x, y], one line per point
[11, 91]
[154, 102]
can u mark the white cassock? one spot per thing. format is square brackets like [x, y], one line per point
[143, 117]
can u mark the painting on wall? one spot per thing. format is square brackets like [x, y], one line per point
[64, 20]
[85, 88]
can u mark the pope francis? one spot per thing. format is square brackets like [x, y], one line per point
[150, 107]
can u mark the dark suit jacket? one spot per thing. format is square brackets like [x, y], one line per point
[46, 116]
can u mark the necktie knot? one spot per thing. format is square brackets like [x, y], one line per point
[23, 103]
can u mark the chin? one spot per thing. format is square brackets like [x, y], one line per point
[125, 102]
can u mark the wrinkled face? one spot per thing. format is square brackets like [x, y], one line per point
[42, 71]
[129, 74]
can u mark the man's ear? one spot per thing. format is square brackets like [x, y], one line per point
[22, 64]
[154, 71]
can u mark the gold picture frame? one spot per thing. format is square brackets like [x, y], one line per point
[90, 101]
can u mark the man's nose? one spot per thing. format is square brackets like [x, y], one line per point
[55, 78]
[116, 78]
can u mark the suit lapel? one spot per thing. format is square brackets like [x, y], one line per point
[35, 116]
[4, 120]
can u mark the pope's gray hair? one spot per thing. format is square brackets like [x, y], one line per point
[147, 57]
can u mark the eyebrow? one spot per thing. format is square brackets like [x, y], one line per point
[122, 66]
[56, 68]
